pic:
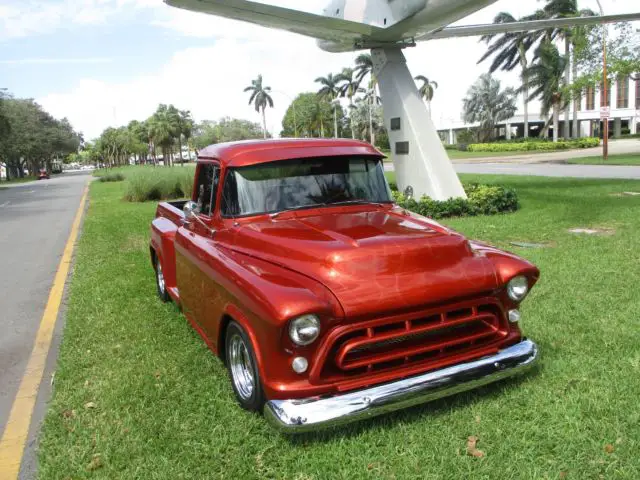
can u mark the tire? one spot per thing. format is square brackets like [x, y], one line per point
[241, 362]
[161, 285]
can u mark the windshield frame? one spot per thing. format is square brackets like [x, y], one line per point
[356, 203]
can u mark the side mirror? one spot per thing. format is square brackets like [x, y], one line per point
[190, 210]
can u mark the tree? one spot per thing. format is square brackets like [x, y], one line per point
[184, 128]
[32, 138]
[543, 79]
[163, 130]
[261, 99]
[563, 9]
[329, 92]
[364, 67]
[427, 89]
[349, 87]
[510, 50]
[367, 119]
[487, 104]
[226, 129]
[313, 112]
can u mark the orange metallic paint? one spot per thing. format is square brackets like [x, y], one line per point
[347, 264]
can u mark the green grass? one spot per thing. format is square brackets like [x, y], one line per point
[623, 159]
[163, 406]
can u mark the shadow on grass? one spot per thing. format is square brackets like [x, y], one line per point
[414, 413]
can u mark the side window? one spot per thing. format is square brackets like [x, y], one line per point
[207, 185]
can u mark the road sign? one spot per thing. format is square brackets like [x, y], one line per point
[605, 112]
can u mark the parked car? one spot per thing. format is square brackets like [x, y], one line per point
[327, 301]
[43, 174]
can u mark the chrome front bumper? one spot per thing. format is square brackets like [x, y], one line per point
[308, 414]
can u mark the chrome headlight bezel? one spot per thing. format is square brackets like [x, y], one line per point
[518, 288]
[310, 323]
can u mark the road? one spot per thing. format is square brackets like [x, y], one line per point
[35, 221]
[551, 170]
[546, 170]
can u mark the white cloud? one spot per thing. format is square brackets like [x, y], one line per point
[55, 61]
[209, 80]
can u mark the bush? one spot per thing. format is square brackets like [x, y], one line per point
[482, 200]
[529, 145]
[159, 183]
[111, 177]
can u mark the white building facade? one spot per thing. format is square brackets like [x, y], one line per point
[623, 108]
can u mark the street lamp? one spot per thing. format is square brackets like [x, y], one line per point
[605, 123]
[293, 104]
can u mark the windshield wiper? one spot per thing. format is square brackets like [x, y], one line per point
[299, 207]
[355, 202]
[326, 204]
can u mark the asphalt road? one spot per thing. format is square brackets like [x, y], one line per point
[551, 170]
[546, 170]
[35, 222]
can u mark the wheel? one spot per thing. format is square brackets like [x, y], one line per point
[241, 362]
[160, 283]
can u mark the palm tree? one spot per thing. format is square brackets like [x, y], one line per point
[426, 90]
[185, 128]
[544, 81]
[563, 9]
[364, 67]
[349, 88]
[510, 50]
[372, 98]
[261, 99]
[488, 105]
[163, 127]
[329, 92]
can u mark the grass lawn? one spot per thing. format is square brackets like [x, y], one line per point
[628, 159]
[138, 395]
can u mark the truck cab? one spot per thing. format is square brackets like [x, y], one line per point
[326, 300]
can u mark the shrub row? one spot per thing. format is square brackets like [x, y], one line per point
[482, 200]
[159, 183]
[534, 145]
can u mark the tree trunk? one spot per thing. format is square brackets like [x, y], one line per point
[353, 134]
[335, 121]
[371, 139]
[525, 91]
[180, 149]
[429, 107]
[264, 123]
[567, 81]
[321, 128]
[576, 101]
[556, 123]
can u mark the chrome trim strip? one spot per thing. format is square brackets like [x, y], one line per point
[309, 414]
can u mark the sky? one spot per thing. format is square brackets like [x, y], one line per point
[102, 63]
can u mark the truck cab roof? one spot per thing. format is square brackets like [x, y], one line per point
[252, 152]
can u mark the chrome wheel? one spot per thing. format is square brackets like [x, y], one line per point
[160, 276]
[241, 367]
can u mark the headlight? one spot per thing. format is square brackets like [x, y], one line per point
[517, 288]
[304, 330]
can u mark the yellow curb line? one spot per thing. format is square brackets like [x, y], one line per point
[15, 434]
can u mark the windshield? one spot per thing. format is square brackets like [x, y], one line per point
[292, 184]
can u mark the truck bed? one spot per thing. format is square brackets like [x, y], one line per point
[171, 211]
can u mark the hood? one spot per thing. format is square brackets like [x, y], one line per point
[373, 261]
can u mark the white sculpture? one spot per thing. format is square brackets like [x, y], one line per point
[386, 27]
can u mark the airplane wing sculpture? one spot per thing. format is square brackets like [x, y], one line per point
[385, 27]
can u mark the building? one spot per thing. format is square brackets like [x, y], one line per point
[623, 100]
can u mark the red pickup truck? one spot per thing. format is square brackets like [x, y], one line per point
[326, 300]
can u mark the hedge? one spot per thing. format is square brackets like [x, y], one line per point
[588, 142]
[481, 200]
